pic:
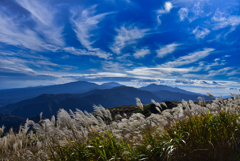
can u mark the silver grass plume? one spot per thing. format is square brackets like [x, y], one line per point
[103, 110]
[164, 104]
[210, 95]
[139, 103]
[15, 145]
[40, 117]
[97, 110]
[109, 114]
[200, 100]
[157, 105]
[53, 120]
[118, 117]
[2, 130]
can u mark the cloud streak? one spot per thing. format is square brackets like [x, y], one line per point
[85, 22]
[188, 59]
[222, 20]
[167, 8]
[44, 17]
[167, 49]
[141, 53]
[200, 32]
[126, 36]
[99, 53]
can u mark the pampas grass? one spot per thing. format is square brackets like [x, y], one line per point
[189, 131]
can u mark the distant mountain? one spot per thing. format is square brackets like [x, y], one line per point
[109, 85]
[10, 121]
[176, 96]
[157, 88]
[36, 100]
[14, 95]
[50, 104]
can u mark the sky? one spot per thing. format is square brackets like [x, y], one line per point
[190, 44]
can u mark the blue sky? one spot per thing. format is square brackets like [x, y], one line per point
[191, 44]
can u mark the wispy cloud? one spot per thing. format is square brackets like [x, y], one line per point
[44, 15]
[99, 53]
[15, 65]
[158, 71]
[127, 36]
[209, 66]
[141, 53]
[183, 13]
[11, 33]
[222, 20]
[123, 58]
[222, 71]
[167, 49]
[200, 32]
[112, 66]
[84, 22]
[167, 8]
[104, 74]
[188, 59]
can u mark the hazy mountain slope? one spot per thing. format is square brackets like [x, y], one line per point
[176, 96]
[39, 99]
[117, 96]
[132, 92]
[109, 85]
[157, 88]
[15, 95]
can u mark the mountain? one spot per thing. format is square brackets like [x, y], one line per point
[109, 85]
[176, 96]
[157, 88]
[10, 121]
[50, 104]
[14, 95]
[36, 100]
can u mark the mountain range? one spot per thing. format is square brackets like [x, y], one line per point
[80, 95]
[8, 96]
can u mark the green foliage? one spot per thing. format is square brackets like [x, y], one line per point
[204, 137]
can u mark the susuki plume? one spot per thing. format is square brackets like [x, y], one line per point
[139, 103]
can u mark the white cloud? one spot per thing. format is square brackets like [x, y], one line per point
[222, 20]
[84, 22]
[233, 78]
[127, 36]
[141, 53]
[112, 66]
[11, 33]
[198, 9]
[158, 71]
[15, 65]
[222, 71]
[167, 8]
[123, 58]
[99, 53]
[104, 74]
[167, 49]
[188, 59]
[183, 13]
[233, 72]
[209, 66]
[44, 16]
[200, 32]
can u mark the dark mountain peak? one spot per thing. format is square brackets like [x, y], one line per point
[154, 85]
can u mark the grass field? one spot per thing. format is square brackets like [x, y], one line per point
[203, 131]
